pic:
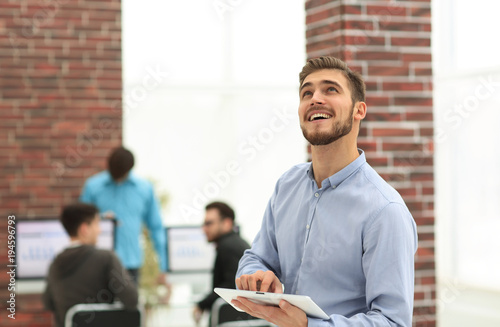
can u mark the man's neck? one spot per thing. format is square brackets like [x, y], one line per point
[329, 159]
[76, 241]
[222, 236]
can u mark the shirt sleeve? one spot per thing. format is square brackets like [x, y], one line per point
[154, 224]
[263, 255]
[47, 299]
[389, 246]
[121, 284]
[86, 196]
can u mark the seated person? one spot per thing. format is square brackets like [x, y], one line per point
[219, 229]
[82, 273]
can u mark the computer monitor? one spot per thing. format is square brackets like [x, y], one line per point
[38, 241]
[188, 250]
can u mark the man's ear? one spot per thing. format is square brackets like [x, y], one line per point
[359, 110]
[228, 224]
[83, 230]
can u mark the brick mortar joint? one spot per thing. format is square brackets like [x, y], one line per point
[323, 7]
[409, 20]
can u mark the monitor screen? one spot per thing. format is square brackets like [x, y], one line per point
[188, 250]
[38, 241]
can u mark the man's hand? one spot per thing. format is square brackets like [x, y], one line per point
[108, 215]
[260, 281]
[162, 279]
[197, 313]
[286, 315]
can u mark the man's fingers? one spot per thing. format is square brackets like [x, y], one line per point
[260, 281]
[268, 312]
[242, 283]
[266, 283]
[252, 308]
[294, 313]
[252, 281]
[239, 303]
[287, 307]
[239, 284]
[270, 283]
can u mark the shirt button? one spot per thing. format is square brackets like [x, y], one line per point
[334, 186]
[316, 194]
[307, 227]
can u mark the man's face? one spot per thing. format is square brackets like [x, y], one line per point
[326, 109]
[213, 225]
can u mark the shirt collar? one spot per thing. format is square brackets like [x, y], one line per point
[337, 178]
[225, 236]
[74, 244]
[131, 178]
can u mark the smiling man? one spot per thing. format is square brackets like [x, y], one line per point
[333, 229]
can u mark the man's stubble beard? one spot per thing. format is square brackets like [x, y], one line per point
[340, 129]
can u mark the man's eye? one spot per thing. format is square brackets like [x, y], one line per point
[332, 89]
[306, 93]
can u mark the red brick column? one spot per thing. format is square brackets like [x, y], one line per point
[389, 43]
[60, 111]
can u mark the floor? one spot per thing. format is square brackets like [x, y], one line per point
[179, 311]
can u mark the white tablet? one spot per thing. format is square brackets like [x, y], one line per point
[301, 301]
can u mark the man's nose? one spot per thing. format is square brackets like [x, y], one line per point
[317, 98]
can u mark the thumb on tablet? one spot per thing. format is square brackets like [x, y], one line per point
[284, 305]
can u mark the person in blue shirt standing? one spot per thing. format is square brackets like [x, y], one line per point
[122, 195]
[333, 229]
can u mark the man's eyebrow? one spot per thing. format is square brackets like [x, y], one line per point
[325, 81]
[305, 85]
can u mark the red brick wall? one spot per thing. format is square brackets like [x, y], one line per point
[388, 42]
[60, 112]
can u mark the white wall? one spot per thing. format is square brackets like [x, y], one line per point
[467, 161]
[217, 117]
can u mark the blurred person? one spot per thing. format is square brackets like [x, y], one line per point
[82, 273]
[129, 199]
[333, 229]
[219, 227]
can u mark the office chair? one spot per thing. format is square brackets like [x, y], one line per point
[102, 315]
[224, 315]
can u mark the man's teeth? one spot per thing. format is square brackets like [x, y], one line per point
[320, 115]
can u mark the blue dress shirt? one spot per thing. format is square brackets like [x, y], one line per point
[133, 203]
[349, 245]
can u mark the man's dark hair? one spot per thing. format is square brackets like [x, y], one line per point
[356, 83]
[73, 215]
[120, 162]
[225, 211]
